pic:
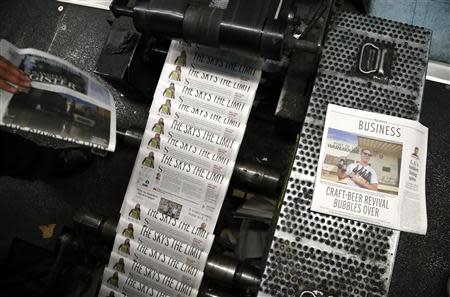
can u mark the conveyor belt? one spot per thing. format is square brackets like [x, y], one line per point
[336, 256]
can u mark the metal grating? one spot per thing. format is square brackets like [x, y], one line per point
[312, 251]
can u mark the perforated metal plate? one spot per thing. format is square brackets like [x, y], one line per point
[316, 252]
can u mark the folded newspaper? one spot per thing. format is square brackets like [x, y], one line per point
[180, 178]
[196, 124]
[372, 169]
[63, 101]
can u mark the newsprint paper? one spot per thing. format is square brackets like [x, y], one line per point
[63, 101]
[194, 130]
[372, 169]
[196, 124]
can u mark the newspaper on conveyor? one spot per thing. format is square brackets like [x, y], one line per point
[372, 169]
[182, 171]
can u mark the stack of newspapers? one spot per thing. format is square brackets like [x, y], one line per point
[195, 127]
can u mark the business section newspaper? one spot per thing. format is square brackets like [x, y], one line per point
[372, 169]
[180, 178]
[63, 102]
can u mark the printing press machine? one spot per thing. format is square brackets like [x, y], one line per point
[268, 242]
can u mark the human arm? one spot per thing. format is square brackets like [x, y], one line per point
[341, 173]
[357, 179]
[11, 75]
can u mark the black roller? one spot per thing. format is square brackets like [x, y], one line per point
[272, 39]
[160, 16]
[244, 25]
[202, 25]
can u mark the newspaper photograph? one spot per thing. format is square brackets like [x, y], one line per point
[150, 277]
[372, 169]
[195, 236]
[63, 101]
[160, 241]
[149, 257]
[128, 286]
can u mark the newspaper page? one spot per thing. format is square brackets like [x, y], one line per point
[150, 275]
[182, 187]
[193, 134]
[128, 286]
[372, 169]
[194, 130]
[147, 256]
[163, 242]
[63, 101]
[194, 236]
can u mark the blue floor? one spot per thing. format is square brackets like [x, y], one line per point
[432, 14]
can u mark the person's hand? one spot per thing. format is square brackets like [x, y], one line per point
[357, 179]
[10, 74]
